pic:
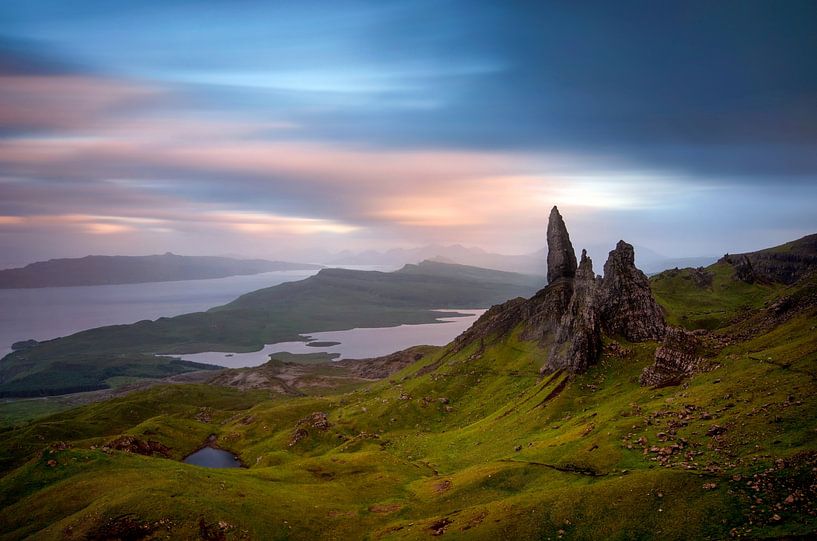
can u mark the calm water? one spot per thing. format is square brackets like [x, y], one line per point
[353, 343]
[210, 457]
[50, 312]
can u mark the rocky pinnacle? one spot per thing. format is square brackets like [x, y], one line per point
[571, 314]
[626, 304]
[561, 257]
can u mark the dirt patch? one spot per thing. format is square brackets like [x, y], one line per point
[385, 508]
[475, 521]
[442, 486]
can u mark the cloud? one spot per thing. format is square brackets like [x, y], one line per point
[66, 102]
[375, 124]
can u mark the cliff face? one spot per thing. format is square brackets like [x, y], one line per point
[578, 338]
[785, 264]
[620, 304]
[626, 304]
[567, 317]
[561, 257]
[676, 358]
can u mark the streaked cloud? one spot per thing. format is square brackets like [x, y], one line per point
[160, 126]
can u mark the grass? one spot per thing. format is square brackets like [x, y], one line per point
[709, 306]
[472, 445]
[334, 299]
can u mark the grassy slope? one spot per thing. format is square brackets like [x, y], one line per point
[395, 466]
[334, 299]
[710, 306]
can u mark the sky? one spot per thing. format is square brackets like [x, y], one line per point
[288, 129]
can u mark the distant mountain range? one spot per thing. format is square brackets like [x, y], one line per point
[534, 263]
[101, 270]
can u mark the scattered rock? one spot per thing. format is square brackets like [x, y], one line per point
[715, 430]
[438, 527]
[132, 444]
[316, 421]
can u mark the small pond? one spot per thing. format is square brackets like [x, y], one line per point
[211, 457]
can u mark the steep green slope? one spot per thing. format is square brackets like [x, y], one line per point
[334, 299]
[473, 444]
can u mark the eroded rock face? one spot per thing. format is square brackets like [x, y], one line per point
[676, 358]
[626, 304]
[568, 316]
[578, 339]
[497, 321]
[543, 312]
[561, 257]
[785, 264]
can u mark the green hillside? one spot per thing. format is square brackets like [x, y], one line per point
[333, 299]
[472, 444]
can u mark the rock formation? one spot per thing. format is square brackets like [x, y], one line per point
[784, 264]
[676, 358]
[567, 317]
[626, 304]
[578, 338]
[561, 257]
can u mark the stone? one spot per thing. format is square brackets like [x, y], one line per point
[626, 303]
[675, 359]
[561, 257]
[775, 265]
[578, 339]
[132, 444]
[569, 315]
[317, 420]
[24, 344]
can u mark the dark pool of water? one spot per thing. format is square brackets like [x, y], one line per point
[210, 457]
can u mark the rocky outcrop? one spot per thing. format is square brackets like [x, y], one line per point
[317, 421]
[675, 359]
[132, 444]
[783, 264]
[578, 338]
[382, 367]
[626, 304]
[561, 257]
[543, 312]
[24, 344]
[498, 321]
[568, 316]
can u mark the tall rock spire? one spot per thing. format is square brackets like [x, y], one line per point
[561, 257]
[577, 344]
[627, 306]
